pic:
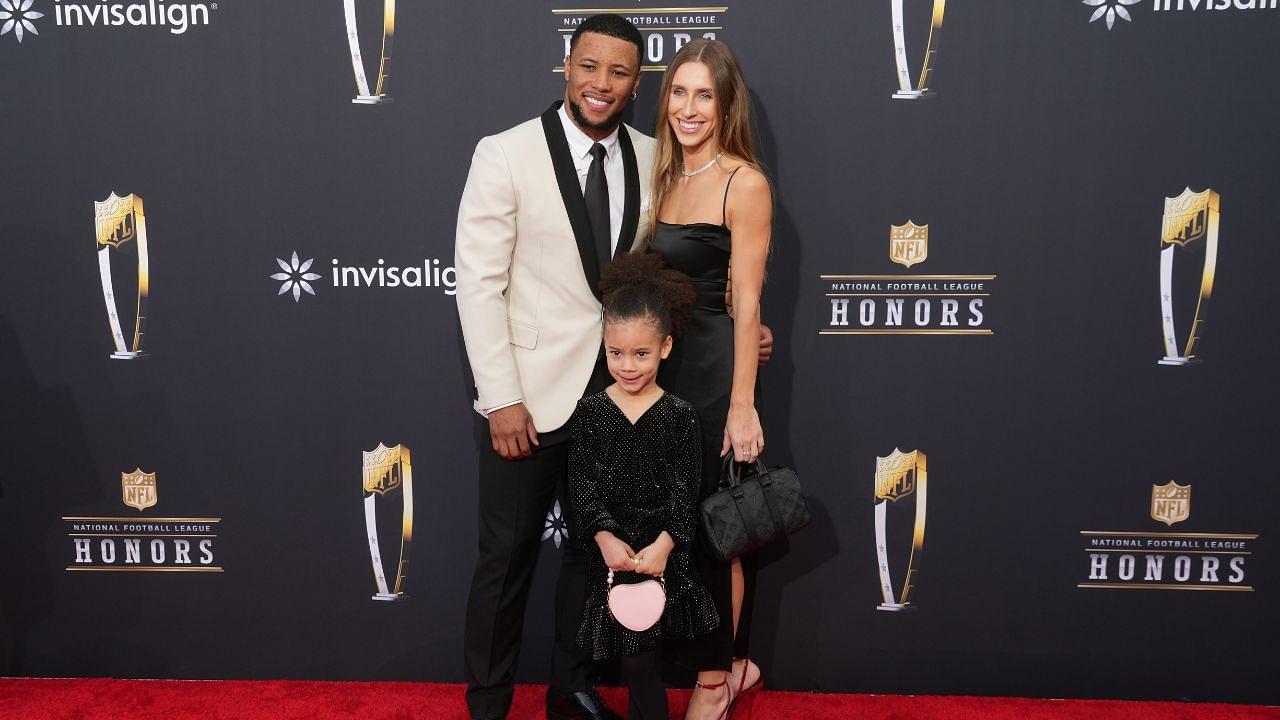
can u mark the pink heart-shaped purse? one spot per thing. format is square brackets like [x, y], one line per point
[637, 606]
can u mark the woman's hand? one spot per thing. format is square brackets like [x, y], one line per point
[743, 434]
[617, 554]
[653, 559]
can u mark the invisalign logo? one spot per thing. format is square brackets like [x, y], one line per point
[298, 276]
[1110, 10]
[17, 16]
[176, 16]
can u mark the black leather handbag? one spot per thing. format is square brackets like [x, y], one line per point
[751, 509]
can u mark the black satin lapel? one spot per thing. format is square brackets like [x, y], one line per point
[631, 207]
[571, 193]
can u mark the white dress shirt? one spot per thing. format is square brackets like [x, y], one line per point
[614, 172]
[614, 175]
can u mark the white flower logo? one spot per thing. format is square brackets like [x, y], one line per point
[295, 275]
[1111, 8]
[17, 16]
[555, 527]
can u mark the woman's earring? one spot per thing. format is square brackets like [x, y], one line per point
[634, 94]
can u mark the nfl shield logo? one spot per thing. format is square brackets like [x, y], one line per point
[383, 468]
[138, 489]
[908, 243]
[896, 475]
[1186, 217]
[115, 219]
[1170, 503]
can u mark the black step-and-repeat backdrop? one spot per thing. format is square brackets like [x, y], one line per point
[1021, 287]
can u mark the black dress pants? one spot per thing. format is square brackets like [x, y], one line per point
[515, 496]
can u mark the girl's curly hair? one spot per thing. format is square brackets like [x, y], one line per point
[640, 285]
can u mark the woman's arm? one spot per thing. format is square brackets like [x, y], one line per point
[766, 335]
[749, 215]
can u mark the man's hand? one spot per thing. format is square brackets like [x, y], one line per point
[766, 344]
[653, 559]
[617, 554]
[512, 431]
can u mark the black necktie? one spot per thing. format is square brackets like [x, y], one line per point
[596, 194]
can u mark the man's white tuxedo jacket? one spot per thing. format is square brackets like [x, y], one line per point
[527, 268]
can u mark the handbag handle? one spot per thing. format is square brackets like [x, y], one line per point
[609, 582]
[731, 471]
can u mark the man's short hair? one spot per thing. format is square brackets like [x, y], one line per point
[614, 26]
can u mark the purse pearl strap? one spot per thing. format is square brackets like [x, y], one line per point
[659, 578]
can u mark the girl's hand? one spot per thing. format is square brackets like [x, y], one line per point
[617, 554]
[743, 434]
[653, 559]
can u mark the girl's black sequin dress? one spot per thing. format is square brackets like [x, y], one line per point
[636, 481]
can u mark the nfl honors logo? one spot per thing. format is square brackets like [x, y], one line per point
[1190, 218]
[1170, 503]
[899, 526]
[387, 469]
[908, 243]
[1166, 560]
[145, 544]
[138, 489]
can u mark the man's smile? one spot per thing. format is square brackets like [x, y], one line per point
[596, 102]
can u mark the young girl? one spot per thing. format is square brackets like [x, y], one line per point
[634, 471]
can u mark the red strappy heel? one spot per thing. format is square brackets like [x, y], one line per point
[725, 684]
[742, 689]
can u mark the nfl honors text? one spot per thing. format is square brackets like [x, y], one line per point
[146, 544]
[1163, 560]
[902, 304]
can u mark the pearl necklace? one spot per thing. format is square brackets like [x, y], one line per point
[702, 169]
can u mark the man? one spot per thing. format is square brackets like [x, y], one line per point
[547, 204]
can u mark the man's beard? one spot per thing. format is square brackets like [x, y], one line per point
[606, 125]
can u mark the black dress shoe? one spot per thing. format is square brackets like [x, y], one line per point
[587, 705]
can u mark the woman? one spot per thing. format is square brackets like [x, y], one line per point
[714, 213]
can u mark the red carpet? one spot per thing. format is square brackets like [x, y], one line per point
[293, 700]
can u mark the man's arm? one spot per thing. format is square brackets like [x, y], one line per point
[486, 238]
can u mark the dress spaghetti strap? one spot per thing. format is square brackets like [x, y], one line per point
[724, 205]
